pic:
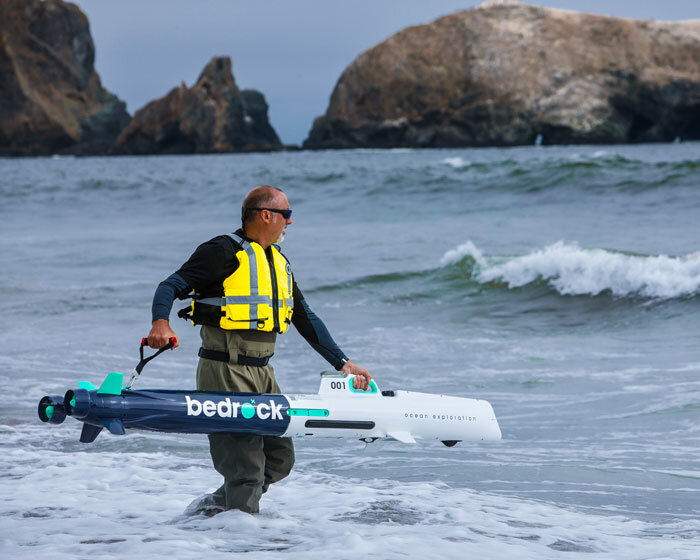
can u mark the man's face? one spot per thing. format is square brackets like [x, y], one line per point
[278, 223]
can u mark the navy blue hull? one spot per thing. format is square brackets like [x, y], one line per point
[197, 412]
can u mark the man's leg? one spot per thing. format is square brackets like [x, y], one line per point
[279, 459]
[279, 451]
[240, 460]
[249, 464]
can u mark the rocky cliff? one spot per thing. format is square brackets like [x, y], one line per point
[212, 116]
[51, 98]
[503, 73]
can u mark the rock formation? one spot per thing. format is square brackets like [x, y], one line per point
[212, 116]
[51, 98]
[505, 72]
[255, 108]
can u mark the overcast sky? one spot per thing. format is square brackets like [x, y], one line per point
[292, 50]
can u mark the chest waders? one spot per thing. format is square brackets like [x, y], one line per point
[236, 360]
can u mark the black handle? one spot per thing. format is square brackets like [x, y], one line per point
[172, 341]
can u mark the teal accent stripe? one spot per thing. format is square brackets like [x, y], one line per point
[318, 412]
[307, 412]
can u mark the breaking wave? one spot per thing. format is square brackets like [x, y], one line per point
[565, 268]
[572, 270]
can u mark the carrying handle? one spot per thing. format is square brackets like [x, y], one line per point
[172, 342]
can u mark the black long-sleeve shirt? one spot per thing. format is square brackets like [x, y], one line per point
[205, 271]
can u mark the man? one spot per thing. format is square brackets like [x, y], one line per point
[244, 295]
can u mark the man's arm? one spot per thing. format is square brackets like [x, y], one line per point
[316, 334]
[203, 272]
[172, 287]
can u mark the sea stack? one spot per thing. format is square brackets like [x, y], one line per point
[213, 116]
[52, 100]
[504, 73]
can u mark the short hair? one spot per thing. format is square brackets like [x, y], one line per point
[258, 197]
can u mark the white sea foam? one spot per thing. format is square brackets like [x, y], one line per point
[457, 162]
[112, 504]
[464, 250]
[572, 270]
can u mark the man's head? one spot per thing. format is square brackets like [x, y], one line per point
[260, 215]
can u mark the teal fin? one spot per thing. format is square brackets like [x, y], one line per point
[86, 385]
[115, 426]
[112, 385]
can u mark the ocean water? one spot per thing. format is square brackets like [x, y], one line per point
[562, 284]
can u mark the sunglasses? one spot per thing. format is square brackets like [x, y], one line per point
[286, 214]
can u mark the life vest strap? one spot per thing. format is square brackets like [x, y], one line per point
[238, 239]
[235, 300]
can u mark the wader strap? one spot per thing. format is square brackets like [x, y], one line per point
[218, 356]
[217, 301]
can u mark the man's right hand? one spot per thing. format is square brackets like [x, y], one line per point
[160, 334]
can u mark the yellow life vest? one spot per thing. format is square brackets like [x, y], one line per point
[257, 296]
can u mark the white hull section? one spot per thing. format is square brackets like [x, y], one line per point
[340, 411]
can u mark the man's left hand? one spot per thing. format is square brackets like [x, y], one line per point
[362, 376]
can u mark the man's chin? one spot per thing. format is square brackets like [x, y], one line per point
[281, 237]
